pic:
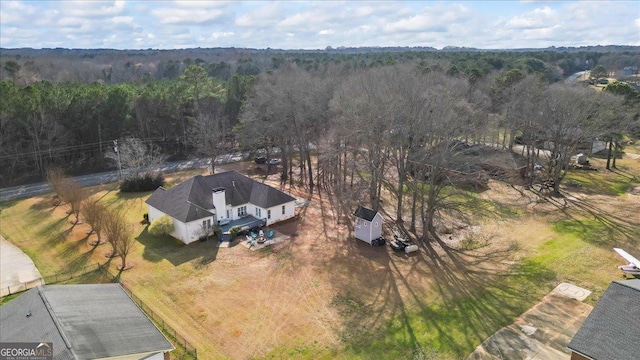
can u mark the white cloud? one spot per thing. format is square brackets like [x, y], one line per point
[93, 8]
[305, 25]
[186, 16]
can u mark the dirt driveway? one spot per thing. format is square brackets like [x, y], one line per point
[543, 332]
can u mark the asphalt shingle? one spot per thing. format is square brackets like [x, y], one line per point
[611, 330]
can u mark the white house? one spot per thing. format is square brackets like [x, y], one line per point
[228, 199]
[368, 224]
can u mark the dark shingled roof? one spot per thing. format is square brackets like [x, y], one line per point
[611, 330]
[82, 321]
[365, 213]
[189, 200]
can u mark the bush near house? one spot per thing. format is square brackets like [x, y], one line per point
[161, 226]
[142, 182]
[234, 231]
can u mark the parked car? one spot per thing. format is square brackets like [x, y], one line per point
[275, 161]
[260, 159]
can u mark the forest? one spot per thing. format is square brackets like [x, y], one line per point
[350, 124]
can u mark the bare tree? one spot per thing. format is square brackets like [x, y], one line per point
[124, 246]
[56, 180]
[210, 131]
[72, 194]
[95, 214]
[133, 154]
[116, 228]
[567, 116]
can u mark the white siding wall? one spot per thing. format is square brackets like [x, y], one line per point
[194, 230]
[179, 228]
[367, 231]
[153, 213]
[277, 215]
[362, 230]
[180, 231]
[376, 227]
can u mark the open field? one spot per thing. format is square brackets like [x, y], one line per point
[323, 294]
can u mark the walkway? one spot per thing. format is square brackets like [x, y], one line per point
[17, 271]
[541, 333]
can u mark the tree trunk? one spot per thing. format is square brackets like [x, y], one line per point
[609, 152]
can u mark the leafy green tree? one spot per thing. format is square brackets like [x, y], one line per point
[623, 89]
[598, 72]
[161, 226]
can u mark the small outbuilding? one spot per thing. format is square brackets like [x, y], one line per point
[367, 225]
[611, 330]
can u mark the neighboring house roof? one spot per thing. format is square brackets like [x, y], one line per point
[189, 200]
[611, 330]
[82, 321]
[365, 213]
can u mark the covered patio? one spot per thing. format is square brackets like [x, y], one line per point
[245, 223]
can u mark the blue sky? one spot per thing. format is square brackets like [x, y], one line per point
[317, 24]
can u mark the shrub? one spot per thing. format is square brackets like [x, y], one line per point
[161, 226]
[234, 231]
[142, 182]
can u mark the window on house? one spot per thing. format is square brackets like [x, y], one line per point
[268, 214]
[282, 209]
[209, 224]
[376, 224]
[204, 223]
[228, 214]
[366, 223]
[242, 211]
[258, 215]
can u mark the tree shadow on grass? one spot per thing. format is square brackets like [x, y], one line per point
[386, 311]
[596, 225]
[158, 248]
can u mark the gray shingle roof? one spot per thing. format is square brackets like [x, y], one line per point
[611, 330]
[365, 213]
[82, 321]
[189, 200]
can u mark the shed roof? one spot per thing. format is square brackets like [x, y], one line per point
[365, 213]
[611, 330]
[189, 200]
[82, 321]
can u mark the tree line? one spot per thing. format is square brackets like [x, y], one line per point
[410, 131]
[73, 125]
[400, 128]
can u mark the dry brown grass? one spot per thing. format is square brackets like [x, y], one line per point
[323, 294]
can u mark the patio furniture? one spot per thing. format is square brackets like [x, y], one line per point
[270, 234]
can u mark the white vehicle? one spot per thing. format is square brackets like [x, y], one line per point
[633, 268]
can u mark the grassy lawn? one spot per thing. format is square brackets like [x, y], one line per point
[324, 296]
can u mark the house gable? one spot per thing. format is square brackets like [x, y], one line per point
[365, 213]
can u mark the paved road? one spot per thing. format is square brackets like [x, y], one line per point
[25, 191]
[17, 271]
[573, 78]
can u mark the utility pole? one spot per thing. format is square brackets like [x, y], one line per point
[100, 140]
[115, 149]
